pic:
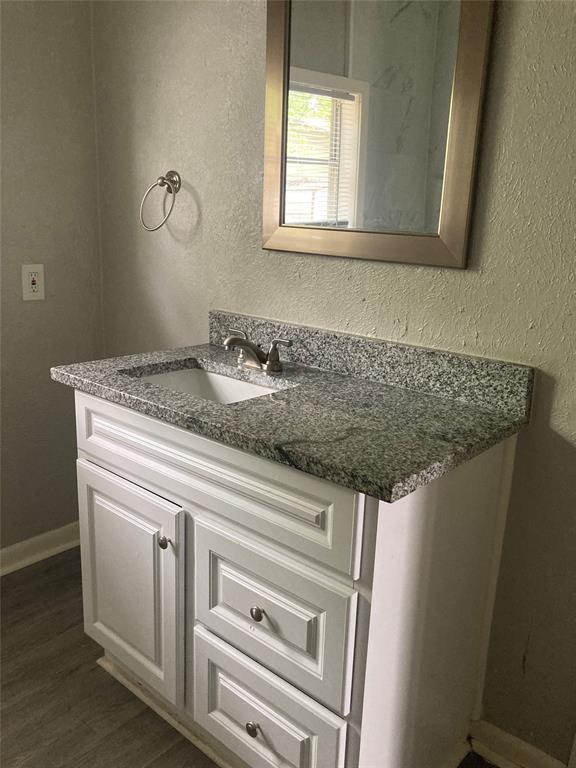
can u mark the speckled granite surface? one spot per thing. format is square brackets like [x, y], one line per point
[475, 380]
[367, 434]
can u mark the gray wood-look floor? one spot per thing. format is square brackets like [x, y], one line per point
[59, 709]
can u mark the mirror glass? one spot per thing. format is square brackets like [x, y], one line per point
[370, 84]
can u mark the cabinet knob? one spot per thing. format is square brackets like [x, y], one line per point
[163, 542]
[257, 614]
[252, 729]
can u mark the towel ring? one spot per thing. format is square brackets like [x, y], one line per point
[171, 180]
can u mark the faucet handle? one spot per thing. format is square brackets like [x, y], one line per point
[273, 364]
[273, 355]
[237, 332]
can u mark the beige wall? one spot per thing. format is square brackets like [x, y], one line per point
[181, 85]
[178, 85]
[49, 217]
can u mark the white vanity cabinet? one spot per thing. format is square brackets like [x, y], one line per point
[280, 620]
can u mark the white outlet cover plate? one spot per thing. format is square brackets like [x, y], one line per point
[33, 282]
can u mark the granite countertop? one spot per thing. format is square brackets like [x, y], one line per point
[358, 431]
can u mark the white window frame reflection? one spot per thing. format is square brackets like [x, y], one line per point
[305, 79]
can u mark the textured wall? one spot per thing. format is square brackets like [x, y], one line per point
[196, 109]
[199, 109]
[49, 216]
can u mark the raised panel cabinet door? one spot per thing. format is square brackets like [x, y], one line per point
[131, 576]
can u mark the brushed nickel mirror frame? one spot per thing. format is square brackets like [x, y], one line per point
[445, 249]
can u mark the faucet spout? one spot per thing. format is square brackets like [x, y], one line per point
[253, 356]
[251, 350]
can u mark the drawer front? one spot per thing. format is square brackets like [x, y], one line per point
[293, 619]
[261, 718]
[312, 516]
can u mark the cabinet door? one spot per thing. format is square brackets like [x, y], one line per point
[131, 575]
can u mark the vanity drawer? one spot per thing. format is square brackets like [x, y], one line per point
[294, 620]
[233, 695]
[314, 517]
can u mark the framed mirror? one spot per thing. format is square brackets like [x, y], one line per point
[372, 118]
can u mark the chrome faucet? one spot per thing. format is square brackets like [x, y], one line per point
[252, 355]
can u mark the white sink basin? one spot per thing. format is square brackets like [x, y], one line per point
[208, 386]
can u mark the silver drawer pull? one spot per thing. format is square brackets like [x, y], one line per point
[252, 729]
[163, 542]
[257, 614]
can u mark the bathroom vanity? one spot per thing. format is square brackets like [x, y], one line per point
[303, 577]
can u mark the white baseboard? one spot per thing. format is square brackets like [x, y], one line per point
[506, 751]
[38, 548]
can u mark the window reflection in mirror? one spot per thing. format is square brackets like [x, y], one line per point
[368, 105]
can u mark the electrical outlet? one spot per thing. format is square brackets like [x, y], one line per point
[33, 282]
